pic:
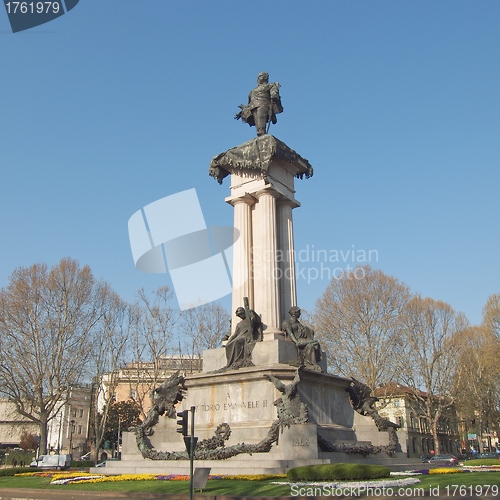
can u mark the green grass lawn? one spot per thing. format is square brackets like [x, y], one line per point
[465, 479]
[445, 482]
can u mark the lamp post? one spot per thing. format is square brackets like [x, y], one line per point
[58, 449]
[118, 437]
[72, 422]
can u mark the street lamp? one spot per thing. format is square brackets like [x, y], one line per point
[58, 450]
[72, 422]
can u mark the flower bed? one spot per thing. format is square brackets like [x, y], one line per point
[481, 468]
[382, 483]
[78, 477]
[445, 470]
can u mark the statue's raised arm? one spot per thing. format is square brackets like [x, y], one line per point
[264, 103]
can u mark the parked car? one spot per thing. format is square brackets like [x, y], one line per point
[443, 460]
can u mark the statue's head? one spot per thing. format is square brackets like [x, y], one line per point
[240, 312]
[263, 77]
[294, 312]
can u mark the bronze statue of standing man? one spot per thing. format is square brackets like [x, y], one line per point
[264, 103]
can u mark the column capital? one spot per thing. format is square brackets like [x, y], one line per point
[287, 202]
[247, 199]
[270, 191]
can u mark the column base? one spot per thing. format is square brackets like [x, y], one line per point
[273, 334]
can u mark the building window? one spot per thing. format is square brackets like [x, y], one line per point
[80, 429]
[397, 402]
[414, 422]
[400, 421]
[73, 412]
[81, 412]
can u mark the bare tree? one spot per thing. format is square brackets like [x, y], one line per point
[476, 384]
[491, 315]
[151, 343]
[358, 322]
[491, 322]
[433, 345]
[203, 328]
[109, 350]
[46, 320]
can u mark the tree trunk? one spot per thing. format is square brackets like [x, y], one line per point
[43, 435]
[480, 435]
[434, 431]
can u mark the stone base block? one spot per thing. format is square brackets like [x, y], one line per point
[298, 442]
[366, 431]
[338, 433]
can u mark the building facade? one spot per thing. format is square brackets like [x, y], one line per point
[398, 405]
[13, 425]
[69, 431]
[136, 380]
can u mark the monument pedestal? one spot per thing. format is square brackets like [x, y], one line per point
[245, 400]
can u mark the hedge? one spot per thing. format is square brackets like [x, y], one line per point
[482, 461]
[329, 472]
[12, 471]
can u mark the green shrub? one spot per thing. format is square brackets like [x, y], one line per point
[16, 470]
[344, 472]
[82, 464]
[19, 456]
[482, 461]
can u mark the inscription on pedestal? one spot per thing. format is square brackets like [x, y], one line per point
[301, 442]
[232, 406]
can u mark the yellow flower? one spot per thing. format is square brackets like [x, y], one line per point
[445, 470]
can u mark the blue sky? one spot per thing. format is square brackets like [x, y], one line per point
[396, 105]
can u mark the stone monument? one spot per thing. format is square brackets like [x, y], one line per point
[264, 401]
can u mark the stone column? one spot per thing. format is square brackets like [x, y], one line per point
[265, 266]
[242, 255]
[286, 253]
